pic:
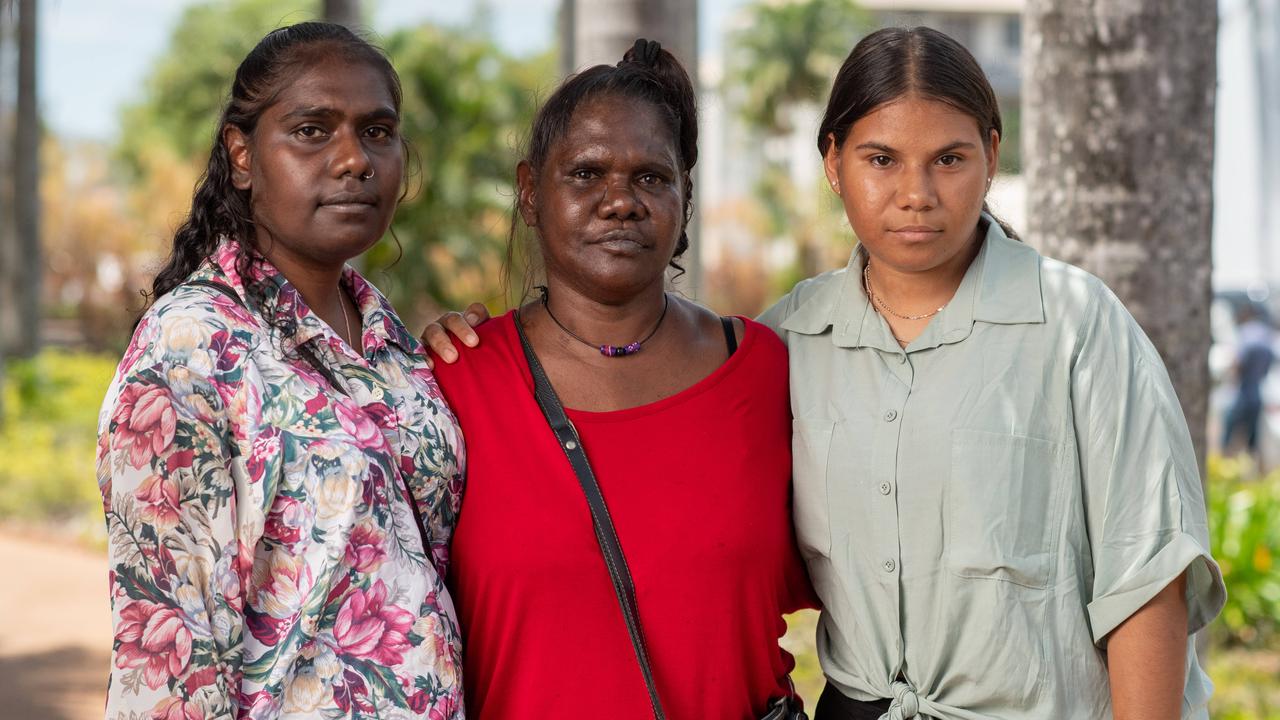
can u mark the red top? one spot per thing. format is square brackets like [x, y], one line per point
[698, 486]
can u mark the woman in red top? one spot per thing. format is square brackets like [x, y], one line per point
[683, 415]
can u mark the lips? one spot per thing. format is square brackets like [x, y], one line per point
[624, 241]
[916, 233]
[350, 201]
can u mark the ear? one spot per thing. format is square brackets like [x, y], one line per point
[831, 163]
[993, 155]
[237, 145]
[526, 190]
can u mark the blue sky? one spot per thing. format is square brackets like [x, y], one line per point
[95, 54]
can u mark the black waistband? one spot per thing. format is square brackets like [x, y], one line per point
[833, 705]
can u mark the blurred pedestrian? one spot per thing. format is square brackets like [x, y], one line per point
[279, 471]
[1254, 357]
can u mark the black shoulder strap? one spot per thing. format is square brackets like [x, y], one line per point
[220, 287]
[730, 337]
[616, 562]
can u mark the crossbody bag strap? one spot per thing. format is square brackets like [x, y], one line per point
[571, 444]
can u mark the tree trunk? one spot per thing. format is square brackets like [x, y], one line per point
[343, 12]
[595, 32]
[26, 188]
[1118, 140]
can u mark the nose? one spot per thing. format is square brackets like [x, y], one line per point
[620, 201]
[350, 156]
[916, 191]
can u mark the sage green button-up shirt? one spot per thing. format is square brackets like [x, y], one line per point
[979, 510]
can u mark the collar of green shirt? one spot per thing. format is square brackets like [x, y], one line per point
[1001, 286]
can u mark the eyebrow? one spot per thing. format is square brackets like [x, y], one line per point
[319, 111]
[954, 145]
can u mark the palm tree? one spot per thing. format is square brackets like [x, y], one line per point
[1118, 121]
[787, 55]
[781, 65]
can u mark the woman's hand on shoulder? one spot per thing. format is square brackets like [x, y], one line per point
[440, 335]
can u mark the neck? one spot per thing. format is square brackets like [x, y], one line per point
[916, 292]
[318, 284]
[606, 322]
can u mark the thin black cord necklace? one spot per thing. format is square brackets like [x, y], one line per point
[608, 350]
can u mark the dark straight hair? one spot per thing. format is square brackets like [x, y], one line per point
[892, 63]
[647, 73]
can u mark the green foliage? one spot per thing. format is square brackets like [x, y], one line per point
[789, 54]
[187, 86]
[467, 109]
[48, 435]
[1244, 526]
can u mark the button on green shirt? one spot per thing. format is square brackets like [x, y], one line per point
[979, 510]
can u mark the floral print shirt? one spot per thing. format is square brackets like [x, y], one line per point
[266, 560]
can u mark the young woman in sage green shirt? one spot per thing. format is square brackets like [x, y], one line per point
[994, 486]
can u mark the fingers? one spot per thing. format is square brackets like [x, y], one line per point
[476, 313]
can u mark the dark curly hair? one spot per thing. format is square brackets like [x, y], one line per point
[218, 208]
[646, 73]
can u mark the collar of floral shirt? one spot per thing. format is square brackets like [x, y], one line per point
[288, 310]
[1001, 286]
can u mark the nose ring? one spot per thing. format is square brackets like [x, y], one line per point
[367, 176]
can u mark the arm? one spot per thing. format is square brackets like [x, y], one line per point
[1153, 581]
[1146, 658]
[174, 563]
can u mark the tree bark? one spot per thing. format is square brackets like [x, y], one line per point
[26, 188]
[343, 12]
[1118, 134]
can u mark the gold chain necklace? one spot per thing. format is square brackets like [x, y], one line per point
[882, 305]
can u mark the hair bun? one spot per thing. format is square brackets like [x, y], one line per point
[645, 52]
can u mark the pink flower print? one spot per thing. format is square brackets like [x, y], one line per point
[288, 521]
[152, 636]
[157, 497]
[144, 422]
[172, 708]
[358, 425]
[368, 628]
[265, 447]
[366, 548]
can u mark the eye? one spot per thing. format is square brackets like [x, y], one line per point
[379, 132]
[651, 179]
[880, 161]
[309, 132]
[949, 160]
[582, 174]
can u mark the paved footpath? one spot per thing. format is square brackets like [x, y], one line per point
[55, 630]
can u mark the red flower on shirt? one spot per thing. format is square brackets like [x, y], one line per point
[152, 636]
[369, 628]
[144, 422]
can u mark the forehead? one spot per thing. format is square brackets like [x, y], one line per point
[618, 125]
[914, 120]
[350, 86]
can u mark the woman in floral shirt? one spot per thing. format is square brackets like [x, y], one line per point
[279, 471]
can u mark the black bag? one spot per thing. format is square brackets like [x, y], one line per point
[784, 708]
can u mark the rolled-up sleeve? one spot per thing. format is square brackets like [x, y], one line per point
[1144, 501]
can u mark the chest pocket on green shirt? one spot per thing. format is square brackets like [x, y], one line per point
[1003, 507]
